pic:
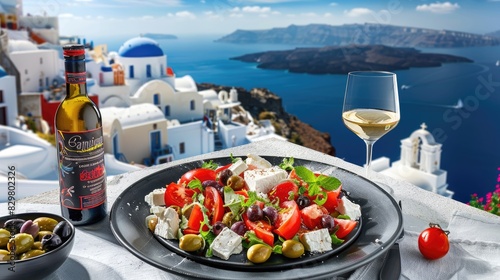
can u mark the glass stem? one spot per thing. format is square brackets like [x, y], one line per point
[369, 149]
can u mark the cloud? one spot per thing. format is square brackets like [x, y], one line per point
[183, 14]
[333, 4]
[438, 7]
[357, 12]
[256, 9]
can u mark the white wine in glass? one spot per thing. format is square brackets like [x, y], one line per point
[371, 106]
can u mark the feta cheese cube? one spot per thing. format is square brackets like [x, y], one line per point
[263, 180]
[168, 224]
[157, 210]
[257, 161]
[226, 243]
[238, 167]
[156, 197]
[317, 240]
[349, 208]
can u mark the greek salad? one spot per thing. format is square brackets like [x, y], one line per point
[251, 204]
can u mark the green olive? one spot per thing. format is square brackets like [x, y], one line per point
[31, 254]
[151, 222]
[41, 234]
[292, 249]
[259, 253]
[5, 255]
[21, 243]
[45, 223]
[4, 237]
[228, 219]
[37, 246]
[191, 242]
[236, 182]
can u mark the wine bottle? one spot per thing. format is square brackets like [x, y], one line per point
[80, 148]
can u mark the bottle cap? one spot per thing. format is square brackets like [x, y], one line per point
[72, 50]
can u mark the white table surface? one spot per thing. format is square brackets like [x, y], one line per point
[98, 255]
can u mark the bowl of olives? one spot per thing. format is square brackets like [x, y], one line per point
[33, 245]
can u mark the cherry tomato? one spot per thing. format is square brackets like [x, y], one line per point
[214, 204]
[201, 174]
[345, 227]
[288, 222]
[178, 195]
[261, 229]
[433, 242]
[311, 216]
[284, 191]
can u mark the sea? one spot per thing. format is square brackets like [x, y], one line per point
[458, 102]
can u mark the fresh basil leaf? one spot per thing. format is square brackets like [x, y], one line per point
[328, 183]
[195, 184]
[209, 165]
[287, 164]
[336, 240]
[278, 249]
[251, 239]
[305, 174]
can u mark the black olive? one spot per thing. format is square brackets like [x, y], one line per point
[63, 230]
[14, 225]
[51, 241]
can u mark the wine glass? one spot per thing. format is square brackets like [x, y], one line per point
[371, 106]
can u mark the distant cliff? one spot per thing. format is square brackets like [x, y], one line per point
[263, 103]
[361, 34]
[341, 60]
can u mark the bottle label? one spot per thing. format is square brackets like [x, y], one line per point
[76, 78]
[82, 177]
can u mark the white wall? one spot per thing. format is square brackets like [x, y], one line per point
[34, 66]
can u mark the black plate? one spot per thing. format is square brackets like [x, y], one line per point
[381, 224]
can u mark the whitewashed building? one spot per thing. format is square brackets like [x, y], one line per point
[8, 99]
[419, 163]
[38, 69]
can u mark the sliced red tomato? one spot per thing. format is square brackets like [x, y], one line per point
[178, 195]
[262, 229]
[202, 174]
[332, 199]
[222, 168]
[214, 204]
[311, 216]
[195, 219]
[284, 191]
[345, 227]
[293, 176]
[288, 222]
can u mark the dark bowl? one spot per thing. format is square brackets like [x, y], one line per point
[39, 266]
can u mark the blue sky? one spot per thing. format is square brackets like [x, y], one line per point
[220, 17]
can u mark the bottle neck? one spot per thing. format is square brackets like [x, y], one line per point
[76, 76]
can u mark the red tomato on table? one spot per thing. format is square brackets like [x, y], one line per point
[288, 222]
[178, 195]
[433, 242]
